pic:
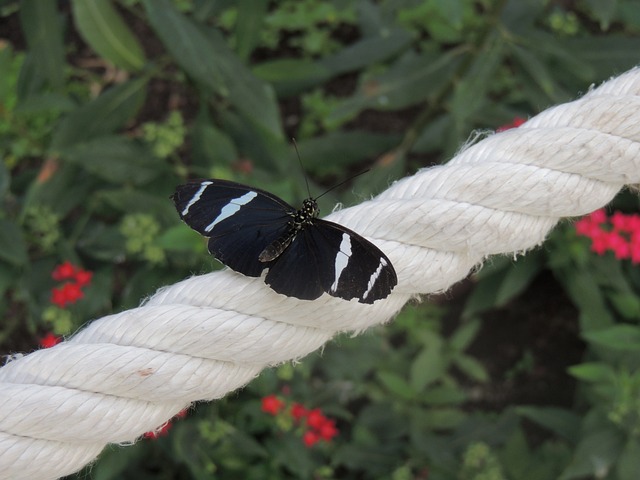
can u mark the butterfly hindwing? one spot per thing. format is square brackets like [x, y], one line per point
[336, 260]
[240, 221]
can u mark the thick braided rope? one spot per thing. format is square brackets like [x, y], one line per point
[199, 339]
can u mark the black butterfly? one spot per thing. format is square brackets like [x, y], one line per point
[250, 230]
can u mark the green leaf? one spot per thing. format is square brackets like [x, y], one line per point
[211, 146]
[334, 152]
[13, 248]
[502, 280]
[464, 335]
[558, 420]
[247, 34]
[606, 54]
[410, 80]
[292, 76]
[584, 291]
[5, 180]
[204, 55]
[428, 366]
[102, 115]
[629, 462]
[103, 29]
[181, 239]
[470, 93]
[443, 395]
[595, 455]
[593, 372]
[471, 367]
[536, 68]
[603, 10]
[627, 304]
[443, 418]
[42, 27]
[102, 242]
[520, 276]
[397, 385]
[617, 337]
[62, 189]
[127, 200]
[115, 159]
[368, 51]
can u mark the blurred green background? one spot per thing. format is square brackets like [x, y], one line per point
[526, 370]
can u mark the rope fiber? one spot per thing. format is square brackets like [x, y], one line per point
[128, 373]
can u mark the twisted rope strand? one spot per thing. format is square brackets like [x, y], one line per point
[201, 338]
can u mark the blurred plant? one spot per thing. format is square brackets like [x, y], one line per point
[42, 227]
[480, 463]
[165, 138]
[141, 233]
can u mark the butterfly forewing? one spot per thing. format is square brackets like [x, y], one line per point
[240, 221]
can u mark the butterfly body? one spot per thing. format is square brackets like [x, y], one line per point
[250, 230]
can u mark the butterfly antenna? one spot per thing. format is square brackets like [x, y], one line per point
[343, 182]
[306, 180]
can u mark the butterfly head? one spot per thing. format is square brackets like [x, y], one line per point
[308, 212]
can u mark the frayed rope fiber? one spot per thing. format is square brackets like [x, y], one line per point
[126, 374]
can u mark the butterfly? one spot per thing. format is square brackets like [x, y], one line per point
[251, 230]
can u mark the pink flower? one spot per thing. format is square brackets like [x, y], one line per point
[619, 233]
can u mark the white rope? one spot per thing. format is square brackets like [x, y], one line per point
[126, 374]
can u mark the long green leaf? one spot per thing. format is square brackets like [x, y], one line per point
[250, 17]
[595, 455]
[41, 23]
[103, 29]
[618, 337]
[101, 116]
[13, 249]
[115, 159]
[204, 55]
[560, 421]
[409, 81]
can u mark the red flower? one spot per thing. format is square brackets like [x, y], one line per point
[272, 404]
[67, 294]
[298, 411]
[328, 430]
[83, 277]
[70, 292]
[49, 340]
[317, 427]
[310, 438]
[315, 418]
[164, 429]
[515, 123]
[63, 271]
[159, 432]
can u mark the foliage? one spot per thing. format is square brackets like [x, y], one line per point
[95, 134]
